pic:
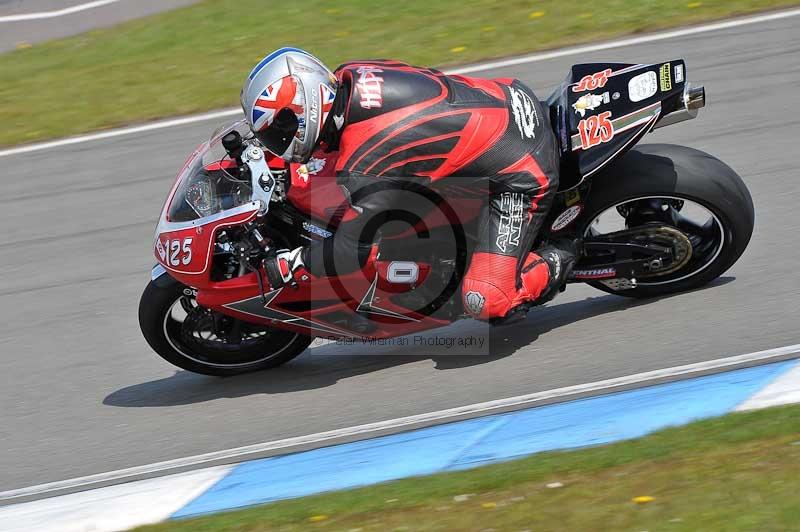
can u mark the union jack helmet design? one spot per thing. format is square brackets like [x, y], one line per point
[286, 99]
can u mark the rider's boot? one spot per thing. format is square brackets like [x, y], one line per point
[560, 257]
[544, 274]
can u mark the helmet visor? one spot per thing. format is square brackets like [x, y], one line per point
[278, 136]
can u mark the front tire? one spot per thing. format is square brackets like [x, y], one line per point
[678, 173]
[200, 343]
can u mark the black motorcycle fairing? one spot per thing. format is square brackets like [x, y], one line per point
[598, 113]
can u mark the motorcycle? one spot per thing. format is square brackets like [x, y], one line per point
[655, 219]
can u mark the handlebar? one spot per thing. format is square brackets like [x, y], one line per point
[232, 142]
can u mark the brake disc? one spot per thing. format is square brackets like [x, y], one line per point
[198, 320]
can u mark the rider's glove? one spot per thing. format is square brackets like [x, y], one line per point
[281, 267]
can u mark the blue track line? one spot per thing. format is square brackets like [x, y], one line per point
[485, 440]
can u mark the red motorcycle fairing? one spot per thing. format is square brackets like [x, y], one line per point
[357, 305]
[185, 248]
[354, 305]
[186, 253]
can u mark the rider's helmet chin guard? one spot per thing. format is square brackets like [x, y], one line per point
[286, 100]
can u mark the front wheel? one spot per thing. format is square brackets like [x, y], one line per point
[673, 188]
[203, 341]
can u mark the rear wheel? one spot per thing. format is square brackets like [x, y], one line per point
[203, 341]
[702, 206]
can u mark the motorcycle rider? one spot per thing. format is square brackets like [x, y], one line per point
[395, 125]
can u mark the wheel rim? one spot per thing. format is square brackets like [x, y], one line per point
[699, 223]
[199, 335]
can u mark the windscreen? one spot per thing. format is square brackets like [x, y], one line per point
[207, 190]
[210, 183]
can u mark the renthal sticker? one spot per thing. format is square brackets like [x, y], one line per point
[665, 77]
[566, 218]
[590, 102]
[596, 130]
[643, 86]
[597, 273]
[678, 73]
[510, 226]
[525, 114]
[594, 81]
[370, 87]
[175, 252]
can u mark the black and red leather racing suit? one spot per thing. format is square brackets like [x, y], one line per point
[395, 124]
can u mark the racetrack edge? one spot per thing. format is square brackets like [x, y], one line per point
[400, 425]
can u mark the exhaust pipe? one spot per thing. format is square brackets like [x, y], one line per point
[693, 99]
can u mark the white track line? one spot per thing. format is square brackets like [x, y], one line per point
[782, 391]
[716, 26]
[441, 416]
[120, 132]
[465, 70]
[119, 507]
[57, 12]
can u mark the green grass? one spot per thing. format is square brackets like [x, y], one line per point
[196, 58]
[737, 472]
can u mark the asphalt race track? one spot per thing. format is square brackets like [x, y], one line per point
[82, 393]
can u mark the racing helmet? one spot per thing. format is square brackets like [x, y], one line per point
[286, 99]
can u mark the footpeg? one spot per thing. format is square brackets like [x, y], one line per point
[620, 284]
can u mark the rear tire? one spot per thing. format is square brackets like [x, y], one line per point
[168, 337]
[670, 171]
